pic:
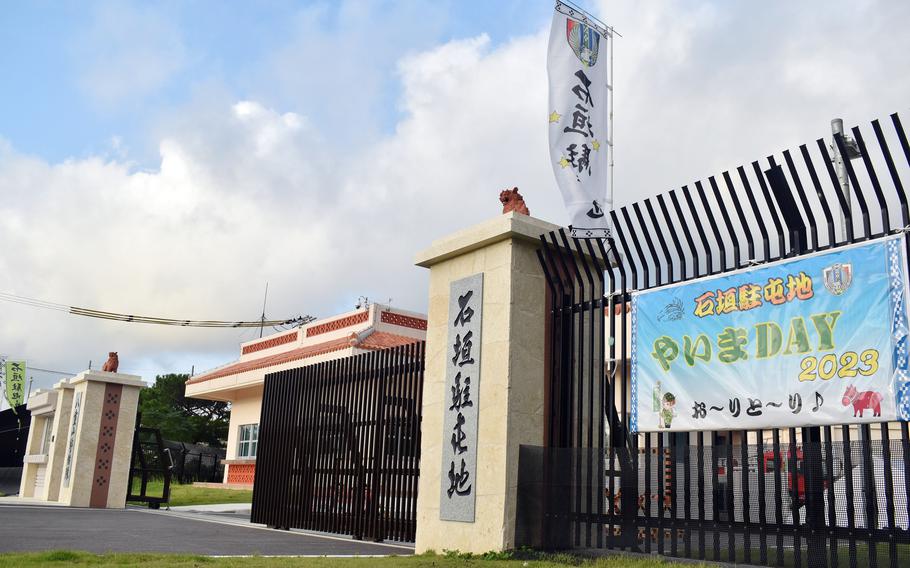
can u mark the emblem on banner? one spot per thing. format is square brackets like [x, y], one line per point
[838, 278]
[672, 311]
[584, 41]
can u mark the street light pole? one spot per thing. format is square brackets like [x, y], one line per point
[851, 148]
[837, 127]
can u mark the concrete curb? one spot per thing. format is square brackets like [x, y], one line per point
[215, 508]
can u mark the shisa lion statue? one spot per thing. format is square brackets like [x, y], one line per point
[513, 201]
[112, 362]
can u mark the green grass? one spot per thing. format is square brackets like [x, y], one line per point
[449, 560]
[882, 553]
[192, 495]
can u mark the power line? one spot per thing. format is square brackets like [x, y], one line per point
[67, 373]
[7, 297]
[300, 320]
[102, 314]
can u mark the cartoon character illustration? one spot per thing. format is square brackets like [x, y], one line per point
[667, 412]
[863, 401]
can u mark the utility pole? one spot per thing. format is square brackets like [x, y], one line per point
[264, 299]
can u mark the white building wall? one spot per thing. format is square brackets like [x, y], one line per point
[244, 410]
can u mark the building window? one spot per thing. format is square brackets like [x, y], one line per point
[249, 438]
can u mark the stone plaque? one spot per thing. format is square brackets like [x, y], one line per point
[71, 440]
[461, 401]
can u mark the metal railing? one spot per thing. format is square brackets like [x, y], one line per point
[676, 494]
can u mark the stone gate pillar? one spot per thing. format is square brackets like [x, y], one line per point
[99, 440]
[81, 440]
[493, 270]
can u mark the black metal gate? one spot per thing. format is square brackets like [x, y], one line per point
[825, 496]
[339, 446]
[149, 461]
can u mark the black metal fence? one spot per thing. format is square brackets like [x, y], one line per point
[148, 464]
[195, 462]
[339, 446]
[14, 426]
[830, 496]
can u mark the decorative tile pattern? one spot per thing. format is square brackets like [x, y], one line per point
[241, 473]
[340, 323]
[269, 343]
[403, 321]
[104, 455]
[633, 355]
[899, 327]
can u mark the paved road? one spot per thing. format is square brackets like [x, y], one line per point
[33, 528]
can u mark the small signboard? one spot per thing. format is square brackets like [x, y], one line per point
[71, 440]
[15, 382]
[818, 340]
[460, 401]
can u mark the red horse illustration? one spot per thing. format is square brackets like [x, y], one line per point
[863, 401]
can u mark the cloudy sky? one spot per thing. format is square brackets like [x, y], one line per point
[169, 159]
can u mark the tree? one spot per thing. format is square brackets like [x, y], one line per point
[164, 405]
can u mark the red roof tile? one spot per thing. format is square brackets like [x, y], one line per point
[384, 340]
[376, 340]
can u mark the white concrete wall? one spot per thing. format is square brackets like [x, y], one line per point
[57, 451]
[244, 410]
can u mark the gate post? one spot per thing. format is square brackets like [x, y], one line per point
[93, 439]
[509, 395]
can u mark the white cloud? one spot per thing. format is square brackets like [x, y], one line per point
[248, 192]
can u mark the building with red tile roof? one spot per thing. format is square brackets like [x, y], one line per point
[241, 382]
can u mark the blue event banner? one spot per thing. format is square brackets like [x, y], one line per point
[821, 339]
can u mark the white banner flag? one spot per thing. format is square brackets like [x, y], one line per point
[577, 67]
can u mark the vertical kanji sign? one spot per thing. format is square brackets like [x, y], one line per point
[461, 401]
[71, 440]
[577, 119]
[15, 382]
